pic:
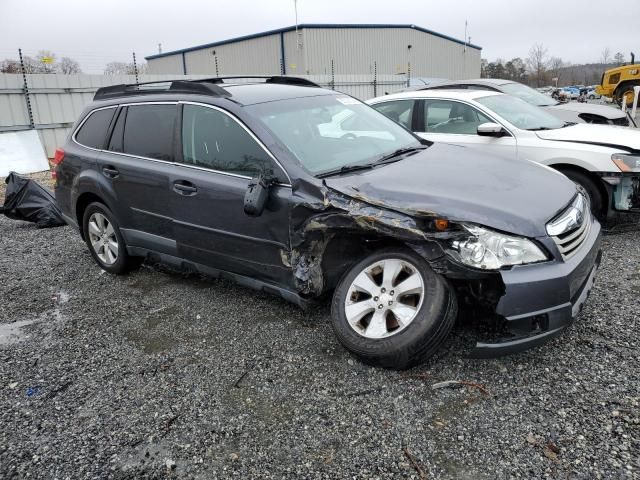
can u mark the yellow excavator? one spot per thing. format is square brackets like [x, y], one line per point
[618, 82]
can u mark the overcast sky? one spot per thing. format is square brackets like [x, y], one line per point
[96, 32]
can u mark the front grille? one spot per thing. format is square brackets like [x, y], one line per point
[577, 228]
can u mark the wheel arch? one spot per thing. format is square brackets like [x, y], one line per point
[567, 167]
[84, 200]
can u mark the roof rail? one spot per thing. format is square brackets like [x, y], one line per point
[170, 86]
[280, 79]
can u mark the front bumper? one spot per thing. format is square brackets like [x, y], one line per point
[541, 300]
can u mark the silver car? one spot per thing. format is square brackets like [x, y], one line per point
[569, 112]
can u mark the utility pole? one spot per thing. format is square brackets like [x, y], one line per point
[159, 48]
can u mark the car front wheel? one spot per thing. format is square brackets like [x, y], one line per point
[392, 310]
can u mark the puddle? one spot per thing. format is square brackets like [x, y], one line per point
[13, 333]
[148, 338]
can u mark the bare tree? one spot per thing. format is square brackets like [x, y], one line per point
[68, 66]
[555, 67]
[31, 65]
[47, 60]
[537, 63]
[9, 66]
[123, 68]
[619, 58]
[605, 56]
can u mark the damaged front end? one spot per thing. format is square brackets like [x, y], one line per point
[512, 308]
[626, 184]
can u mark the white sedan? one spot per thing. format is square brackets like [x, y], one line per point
[604, 160]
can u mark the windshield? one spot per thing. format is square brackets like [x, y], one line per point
[528, 94]
[328, 132]
[520, 113]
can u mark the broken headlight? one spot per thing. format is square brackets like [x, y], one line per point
[626, 163]
[490, 250]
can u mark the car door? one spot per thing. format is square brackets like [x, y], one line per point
[137, 166]
[451, 121]
[217, 159]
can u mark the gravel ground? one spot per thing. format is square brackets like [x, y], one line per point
[160, 375]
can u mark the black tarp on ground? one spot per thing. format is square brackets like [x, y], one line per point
[27, 200]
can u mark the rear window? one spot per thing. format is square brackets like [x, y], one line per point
[148, 131]
[93, 131]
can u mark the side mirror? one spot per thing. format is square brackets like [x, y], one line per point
[490, 130]
[257, 195]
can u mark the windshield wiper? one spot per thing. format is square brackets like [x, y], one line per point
[400, 151]
[346, 169]
[380, 161]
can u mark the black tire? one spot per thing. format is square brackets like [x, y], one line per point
[123, 262]
[596, 199]
[626, 88]
[420, 339]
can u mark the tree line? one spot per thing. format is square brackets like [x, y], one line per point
[540, 68]
[47, 62]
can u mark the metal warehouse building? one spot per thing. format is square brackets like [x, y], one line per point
[311, 49]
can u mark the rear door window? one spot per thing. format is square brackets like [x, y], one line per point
[93, 131]
[147, 131]
[445, 116]
[401, 111]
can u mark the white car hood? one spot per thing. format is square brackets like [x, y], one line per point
[602, 110]
[604, 135]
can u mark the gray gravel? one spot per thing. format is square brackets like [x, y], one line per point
[158, 375]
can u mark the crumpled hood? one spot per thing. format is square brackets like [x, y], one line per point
[605, 135]
[463, 184]
[602, 110]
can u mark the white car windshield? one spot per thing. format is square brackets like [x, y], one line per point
[528, 94]
[520, 113]
[328, 132]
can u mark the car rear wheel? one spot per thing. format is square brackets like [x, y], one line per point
[596, 199]
[102, 236]
[392, 310]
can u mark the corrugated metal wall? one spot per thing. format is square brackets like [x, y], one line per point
[255, 56]
[353, 51]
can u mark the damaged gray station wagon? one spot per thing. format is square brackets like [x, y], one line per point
[287, 187]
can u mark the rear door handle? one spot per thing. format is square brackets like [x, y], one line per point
[110, 171]
[184, 188]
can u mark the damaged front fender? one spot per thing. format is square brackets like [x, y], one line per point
[321, 214]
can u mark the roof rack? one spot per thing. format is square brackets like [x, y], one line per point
[202, 86]
[170, 86]
[279, 79]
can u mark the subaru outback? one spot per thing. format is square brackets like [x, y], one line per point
[301, 191]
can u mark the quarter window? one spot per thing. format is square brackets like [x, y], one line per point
[212, 139]
[147, 131]
[94, 130]
[444, 116]
[401, 111]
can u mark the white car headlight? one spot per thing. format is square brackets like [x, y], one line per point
[626, 162]
[490, 250]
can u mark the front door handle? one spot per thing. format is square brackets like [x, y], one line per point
[184, 188]
[110, 171]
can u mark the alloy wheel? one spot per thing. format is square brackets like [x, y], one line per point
[384, 298]
[103, 238]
